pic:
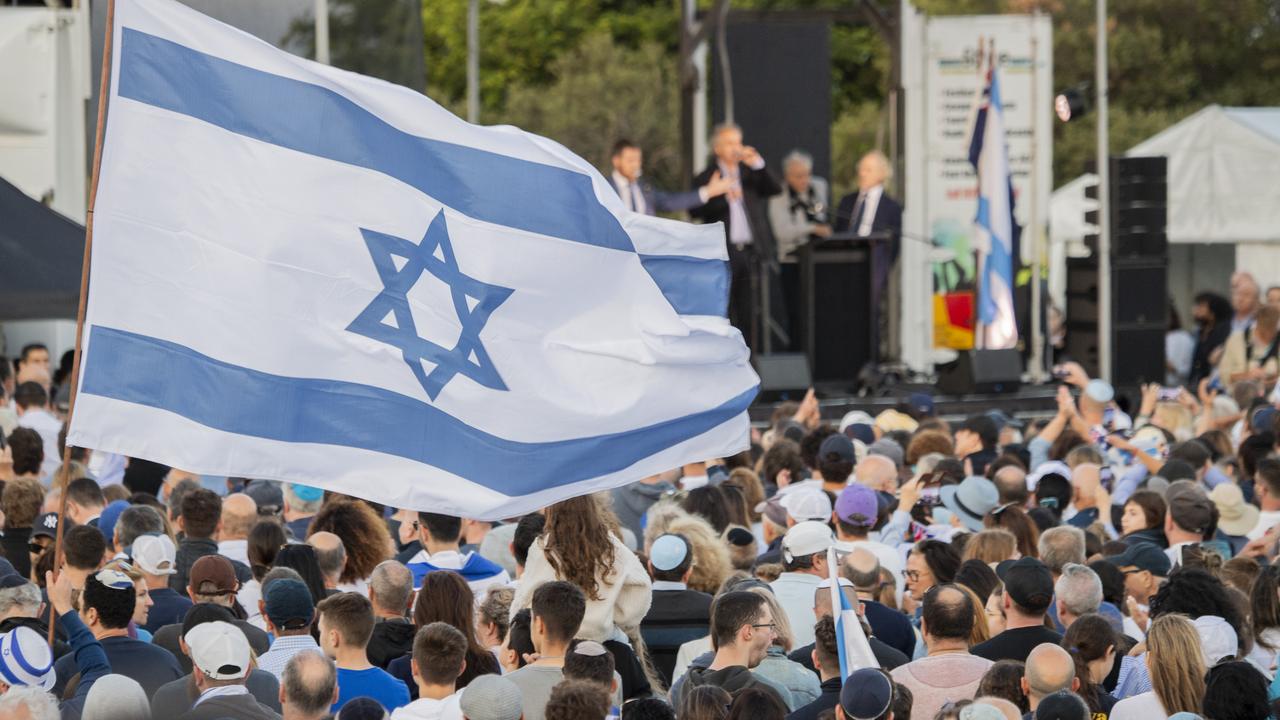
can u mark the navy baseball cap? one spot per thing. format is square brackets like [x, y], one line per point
[288, 604]
[1143, 556]
[866, 695]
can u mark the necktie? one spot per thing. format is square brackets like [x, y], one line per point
[856, 221]
[635, 198]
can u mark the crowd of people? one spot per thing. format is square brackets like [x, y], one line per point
[1105, 561]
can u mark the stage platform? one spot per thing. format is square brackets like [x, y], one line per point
[1029, 401]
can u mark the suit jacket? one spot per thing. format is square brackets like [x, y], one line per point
[888, 218]
[176, 697]
[757, 187]
[240, 707]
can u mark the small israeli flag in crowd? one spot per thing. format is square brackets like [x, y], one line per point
[304, 274]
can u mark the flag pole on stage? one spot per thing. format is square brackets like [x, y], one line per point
[65, 470]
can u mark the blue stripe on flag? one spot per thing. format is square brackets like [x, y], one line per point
[160, 374]
[312, 119]
[693, 286]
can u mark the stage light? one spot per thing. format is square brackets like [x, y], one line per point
[1071, 103]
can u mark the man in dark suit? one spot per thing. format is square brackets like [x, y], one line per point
[744, 211]
[640, 196]
[871, 211]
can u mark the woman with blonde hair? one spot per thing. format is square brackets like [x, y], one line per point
[711, 563]
[580, 544]
[992, 546]
[1176, 665]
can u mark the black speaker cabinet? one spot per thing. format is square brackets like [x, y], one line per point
[981, 372]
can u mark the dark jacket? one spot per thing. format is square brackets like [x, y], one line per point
[391, 639]
[886, 657]
[888, 219]
[757, 187]
[730, 679]
[176, 697]
[167, 638]
[149, 665]
[674, 618]
[890, 627]
[14, 545]
[240, 707]
[829, 698]
[192, 549]
[91, 663]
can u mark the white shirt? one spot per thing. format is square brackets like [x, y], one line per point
[669, 585]
[870, 202]
[428, 709]
[1266, 520]
[794, 591]
[1175, 554]
[234, 550]
[739, 224]
[221, 691]
[1143, 706]
[631, 194]
[48, 427]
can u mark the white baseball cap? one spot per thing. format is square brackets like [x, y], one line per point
[219, 649]
[807, 503]
[154, 554]
[25, 659]
[806, 538]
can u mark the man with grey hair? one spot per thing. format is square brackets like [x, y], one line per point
[301, 503]
[135, 521]
[29, 703]
[800, 211]
[1060, 546]
[870, 211]
[20, 602]
[390, 593]
[308, 687]
[743, 211]
[331, 556]
[1078, 591]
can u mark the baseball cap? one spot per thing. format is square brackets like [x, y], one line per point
[1218, 639]
[807, 504]
[1028, 583]
[306, 493]
[887, 448]
[891, 420]
[806, 538]
[491, 697]
[202, 613]
[216, 570]
[971, 500]
[362, 708]
[667, 552]
[1262, 418]
[862, 432]
[773, 511]
[288, 604]
[26, 659]
[1190, 510]
[154, 554]
[921, 404]
[107, 520]
[855, 417]
[47, 525]
[838, 445]
[267, 495]
[858, 505]
[219, 649]
[1143, 556]
[866, 695]
[1235, 516]
[1175, 470]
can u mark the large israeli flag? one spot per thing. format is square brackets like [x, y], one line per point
[996, 229]
[303, 274]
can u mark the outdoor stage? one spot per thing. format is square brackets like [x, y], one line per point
[1029, 401]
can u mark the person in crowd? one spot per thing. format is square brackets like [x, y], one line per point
[446, 597]
[1235, 690]
[1177, 670]
[211, 580]
[743, 209]
[1049, 670]
[363, 536]
[200, 520]
[1011, 484]
[1145, 566]
[1143, 517]
[705, 702]
[288, 612]
[301, 558]
[20, 501]
[84, 550]
[1246, 298]
[992, 547]
[493, 617]
[133, 522]
[178, 696]
[556, 614]
[492, 697]
[346, 624]
[438, 656]
[631, 502]
[390, 592]
[1077, 592]
[440, 535]
[579, 546]
[1264, 620]
[887, 657]
[857, 512]
[1093, 646]
[826, 660]
[1015, 520]
[239, 515]
[677, 614]
[26, 451]
[21, 604]
[116, 697]
[85, 502]
[930, 563]
[948, 672]
[1191, 519]
[1250, 353]
[331, 556]
[871, 210]
[1266, 484]
[800, 680]
[265, 542]
[640, 196]
[1003, 681]
[976, 445]
[222, 660]
[578, 700]
[890, 626]
[804, 552]
[800, 212]
[32, 404]
[742, 630]
[1213, 316]
[308, 686]
[301, 503]
[710, 565]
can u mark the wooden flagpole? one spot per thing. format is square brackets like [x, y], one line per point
[103, 88]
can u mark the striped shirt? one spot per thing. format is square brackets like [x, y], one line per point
[282, 649]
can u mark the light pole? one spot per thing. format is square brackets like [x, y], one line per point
[322, 31]
[473, 61]
[1104, 199]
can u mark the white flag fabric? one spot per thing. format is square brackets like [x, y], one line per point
[997, 230]
[304, 274]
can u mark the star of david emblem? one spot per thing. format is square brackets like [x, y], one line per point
[388, 319]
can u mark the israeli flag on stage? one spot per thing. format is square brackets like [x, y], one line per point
[997, 231]
[303, 274]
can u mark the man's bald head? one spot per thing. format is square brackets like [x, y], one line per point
[239, 513]
[877, 472]
[330, 554]
[862, 568]
[946, 614]
[308, 685]
[1086, 478]
[1011, 482]
[1049, 669]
